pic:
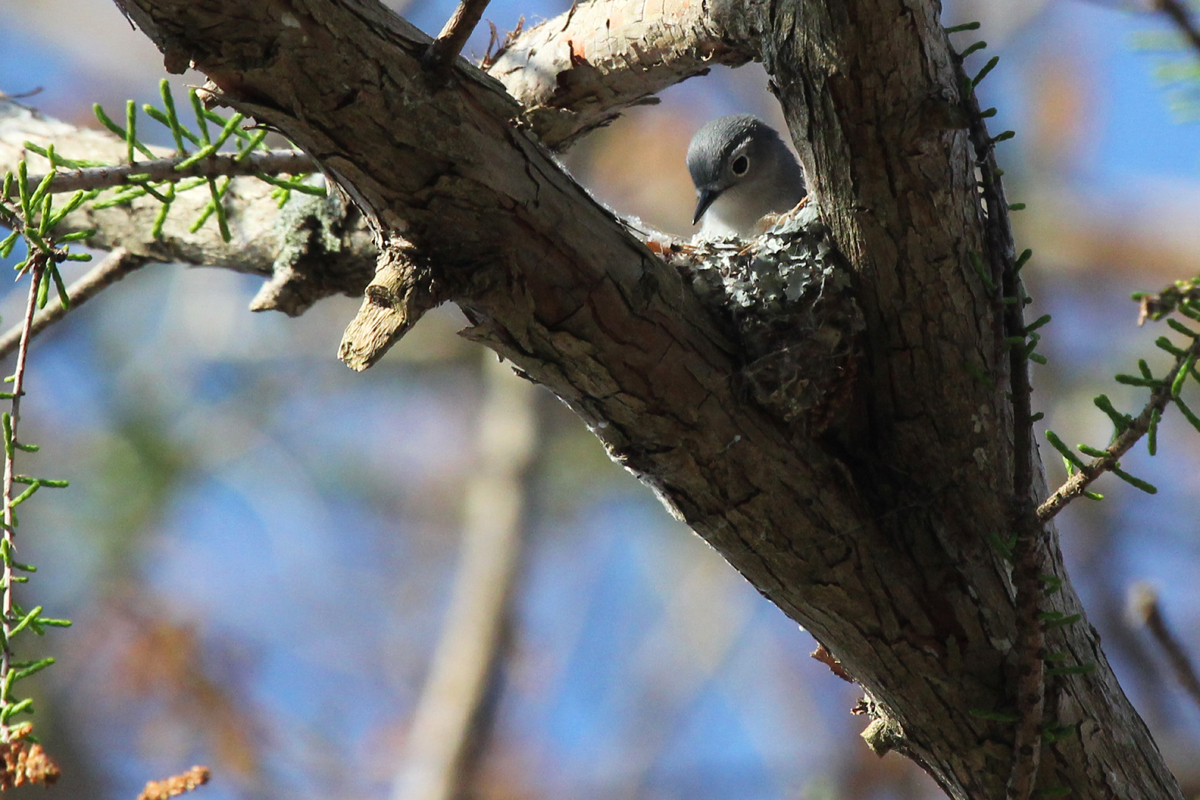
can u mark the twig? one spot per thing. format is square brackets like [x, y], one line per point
[1027, 557]
[399, 295]
[1076, 485]
[176, 785]
[449, 43]
[1179, 15]
[116, 265]
[275, 162]
[1143, 606]
[827, 658]
[38, 266]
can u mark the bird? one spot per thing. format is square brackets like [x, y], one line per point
[742, 171]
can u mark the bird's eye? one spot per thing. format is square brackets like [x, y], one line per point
[740, 165]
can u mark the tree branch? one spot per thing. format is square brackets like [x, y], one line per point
[578, 71]
[115, 266]
[399, 295]
[276, 162]
[314, 248]
[1183, 20]
[452, 716]
[1085, 474]
[873, 531]
[449, 43]
[1028, 557]
[1143, 604]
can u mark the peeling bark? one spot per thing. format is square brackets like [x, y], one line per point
[578, 71]
[876, 535]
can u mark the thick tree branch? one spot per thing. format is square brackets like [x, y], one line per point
[579, 70]
[874, 531]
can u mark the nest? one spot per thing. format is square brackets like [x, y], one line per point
[787, 297]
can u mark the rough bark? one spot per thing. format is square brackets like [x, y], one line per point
[579, 71]
[876, 536]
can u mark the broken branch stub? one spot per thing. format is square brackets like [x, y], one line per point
[399, 295]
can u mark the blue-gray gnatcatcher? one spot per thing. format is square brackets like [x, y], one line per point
[742, 171]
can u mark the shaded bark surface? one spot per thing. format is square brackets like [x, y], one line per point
[876, 537]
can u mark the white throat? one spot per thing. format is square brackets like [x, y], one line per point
[736, 212]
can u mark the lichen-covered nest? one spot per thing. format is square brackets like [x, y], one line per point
[787, 297]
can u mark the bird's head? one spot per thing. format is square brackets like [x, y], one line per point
[735, 153]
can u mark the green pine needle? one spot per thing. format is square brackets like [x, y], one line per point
[974, 48]
[1120, 421]
[1037, 323]
[1148, 488]
[1187, 413]
[1184, 329]
[1181, 376]
[1058, 445]
[1163, 343]
[977, 265]
[33, 668]
[983, 73]
[119, 131]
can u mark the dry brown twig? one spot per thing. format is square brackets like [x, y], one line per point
[449, 43]
[1144, 608]
[24, 762]
[176, 785]
[35, 266]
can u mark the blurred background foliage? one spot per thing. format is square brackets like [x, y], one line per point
[258, 545]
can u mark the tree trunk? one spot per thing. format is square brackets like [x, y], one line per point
[877, 535]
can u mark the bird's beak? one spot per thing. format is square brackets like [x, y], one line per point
[706, 198]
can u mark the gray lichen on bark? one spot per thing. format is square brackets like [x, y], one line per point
[321, 241]
[788, 299]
